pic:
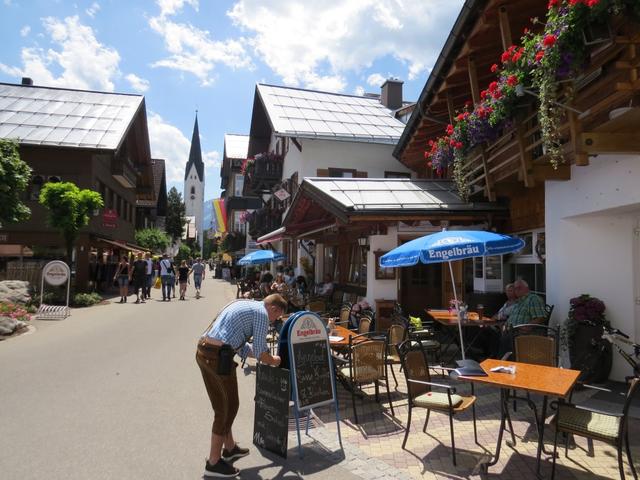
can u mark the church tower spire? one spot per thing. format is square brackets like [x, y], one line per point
[195, 153]
[194, 186]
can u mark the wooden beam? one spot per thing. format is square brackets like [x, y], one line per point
[473, 81]
[525, 159]
[546, 172]
[575, 129]
[505, 27]
[488, 179]
[595, 143]
[452, 111]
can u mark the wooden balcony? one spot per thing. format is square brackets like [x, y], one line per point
[264, 221]
[263, 175]
[518, 157]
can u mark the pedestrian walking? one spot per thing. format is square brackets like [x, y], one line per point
[226, 336]
[166, 272]
[137, 275]
[183, 278]
[148, 276]
[198, 269]
[122, 278]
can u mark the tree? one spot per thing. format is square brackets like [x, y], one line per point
[69, 209]
[152, 239]
[184, 252]
[176, 219]
[14, 180]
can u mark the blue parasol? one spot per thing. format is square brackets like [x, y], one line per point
[261, 256]
[448, 246]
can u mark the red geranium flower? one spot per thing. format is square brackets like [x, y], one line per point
[483, 94]
[494, 67]
[518, 54]
[512, 81]
[493, 86]
[539, 55]
[549, 40]
[449, 129]
[552, 3]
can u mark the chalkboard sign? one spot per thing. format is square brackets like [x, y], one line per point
[271, 421]
[311, 361]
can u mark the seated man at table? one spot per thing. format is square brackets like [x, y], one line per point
[529, 307]
[325, 289]
[507, 308]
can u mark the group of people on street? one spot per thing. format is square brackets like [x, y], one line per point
[142, 273]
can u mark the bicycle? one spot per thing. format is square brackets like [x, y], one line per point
[598, 360]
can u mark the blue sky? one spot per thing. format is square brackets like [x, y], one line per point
[185, 55]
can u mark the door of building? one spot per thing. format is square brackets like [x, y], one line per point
[421, 287]
[447, 286]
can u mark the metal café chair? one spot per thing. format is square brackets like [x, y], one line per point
[423, 393]
[396, 335]
[366, 364]
[609, 427]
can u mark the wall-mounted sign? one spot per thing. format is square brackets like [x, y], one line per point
[56, 273]
[110, 218]
[282, 194]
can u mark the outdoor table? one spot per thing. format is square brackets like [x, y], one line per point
[449, 320]
[546, 381]
[345, 333]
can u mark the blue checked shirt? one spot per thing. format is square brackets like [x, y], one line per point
[240, 321]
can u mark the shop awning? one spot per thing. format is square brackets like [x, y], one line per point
[274, 236]
[122, 245]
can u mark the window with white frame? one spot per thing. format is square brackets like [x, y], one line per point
[529, 263]
[238, 185]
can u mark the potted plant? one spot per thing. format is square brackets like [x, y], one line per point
[584, 325]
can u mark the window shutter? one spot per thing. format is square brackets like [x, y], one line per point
[362, 175]
[322, 172]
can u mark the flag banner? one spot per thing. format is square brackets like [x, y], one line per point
[220, 214]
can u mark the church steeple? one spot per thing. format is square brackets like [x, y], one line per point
[195, 154]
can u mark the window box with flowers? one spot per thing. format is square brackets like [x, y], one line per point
[553, 51]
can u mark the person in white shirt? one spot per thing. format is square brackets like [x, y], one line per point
[167, 275]
[146, 294]
[326, 288]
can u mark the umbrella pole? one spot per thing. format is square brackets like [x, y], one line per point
[455, 296]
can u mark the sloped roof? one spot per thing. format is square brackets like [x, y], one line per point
[236, 146]
[158, 169]
[346, 197]
[64, 117]
[311, 114]
[195, 154]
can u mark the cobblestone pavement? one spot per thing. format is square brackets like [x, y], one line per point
[372, 448]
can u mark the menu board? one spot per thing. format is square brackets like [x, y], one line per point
[311, 361]
[271, 420]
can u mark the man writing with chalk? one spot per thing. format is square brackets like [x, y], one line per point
[227, 335]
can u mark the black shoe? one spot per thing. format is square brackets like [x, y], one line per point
[234, 454]
[137, 300]
[125, 299]
[221, 469]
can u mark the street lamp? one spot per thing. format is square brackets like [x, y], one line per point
[363, 242]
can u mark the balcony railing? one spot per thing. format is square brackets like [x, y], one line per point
[264, 221]
[610, 82]
[262, 174]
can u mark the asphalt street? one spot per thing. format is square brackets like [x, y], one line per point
[113, 392]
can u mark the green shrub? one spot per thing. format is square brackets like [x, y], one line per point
[86, 299]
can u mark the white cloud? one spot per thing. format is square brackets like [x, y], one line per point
[138, 84]
[310, 42]
[169, 143]
[359, 91]
[376, 80]
[171, 7]
[76, 59]
[93, 9]
[192, 49]
[211, 159]
[24, 31]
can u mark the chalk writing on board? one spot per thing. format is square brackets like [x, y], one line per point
[313, 375]
[271, 421]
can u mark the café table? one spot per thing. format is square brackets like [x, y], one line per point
[530, 378]
[449, 321]
[339, 337]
